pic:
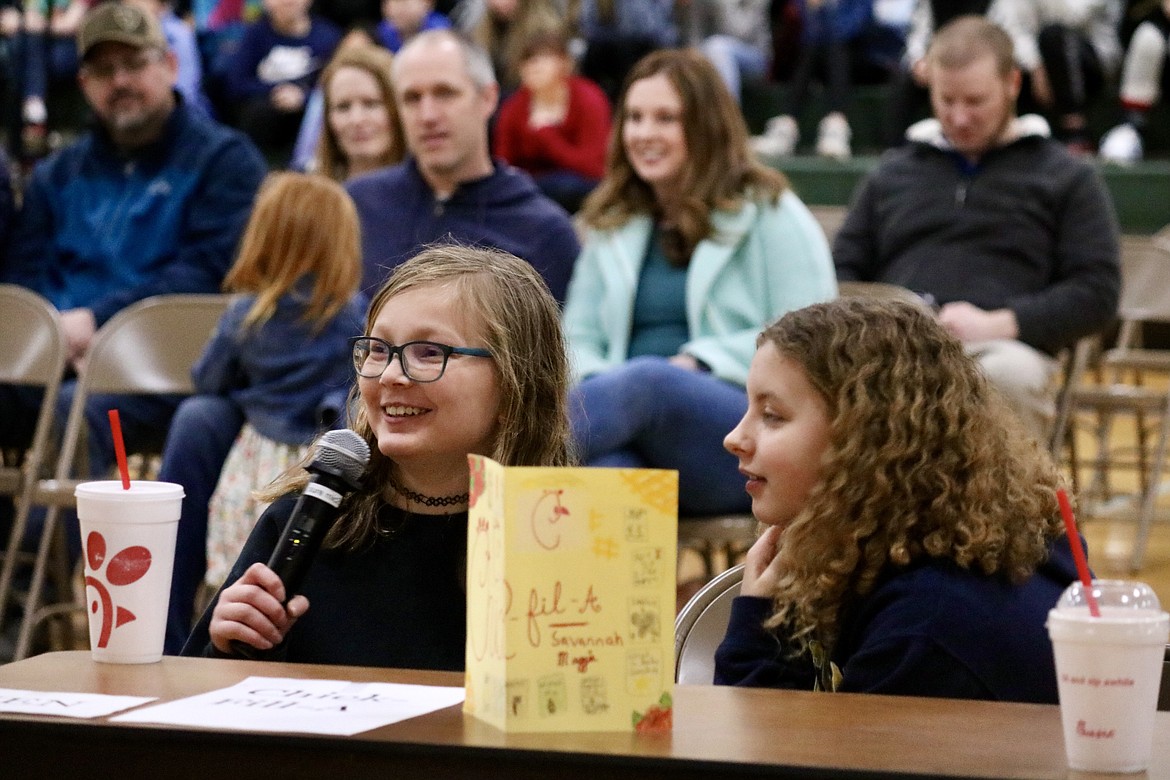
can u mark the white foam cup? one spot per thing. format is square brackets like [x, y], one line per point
[128, 545]
[1108, 671]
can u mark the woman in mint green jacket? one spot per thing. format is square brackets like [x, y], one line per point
[692, 248]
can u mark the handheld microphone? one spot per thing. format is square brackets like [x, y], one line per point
[335, 470]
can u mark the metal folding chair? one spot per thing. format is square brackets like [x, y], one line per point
[148, 348]
[700, 626]
[33, 353]
[1145, 298]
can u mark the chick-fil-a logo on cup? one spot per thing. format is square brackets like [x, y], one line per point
[126, 567]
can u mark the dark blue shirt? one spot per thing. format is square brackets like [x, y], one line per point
[930, 629]
[400, 215]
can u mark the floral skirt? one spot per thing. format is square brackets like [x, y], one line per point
[253, 463]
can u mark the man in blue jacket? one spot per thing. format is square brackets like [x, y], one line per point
[450, 188]
[152, 200]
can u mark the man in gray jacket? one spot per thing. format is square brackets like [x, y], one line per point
[1013, 239]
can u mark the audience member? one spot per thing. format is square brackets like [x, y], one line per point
[1071, 49]
[500, 28]
[449, 187]
[909, 100]
[45, 55]
[829, 30]
[1011, 236]
[152, 200]
[219, 26]
[403, 19]
[1145, 78]
[619, 33]
[556, 125]
[278, 358]
[692, 247]
[481, 369]
[355, 129]
[413, 17]
[735, 35]
[272, 72]
[913, 544]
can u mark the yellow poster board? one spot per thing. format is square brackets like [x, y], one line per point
[571, 597]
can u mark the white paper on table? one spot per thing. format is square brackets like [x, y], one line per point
[70, 705]
[283, 704]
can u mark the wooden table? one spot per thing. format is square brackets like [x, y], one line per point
[718, 733]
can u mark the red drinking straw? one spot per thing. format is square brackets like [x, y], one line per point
[119, 448]
[1070, 527]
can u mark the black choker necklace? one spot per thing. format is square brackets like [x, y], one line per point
[419, 498]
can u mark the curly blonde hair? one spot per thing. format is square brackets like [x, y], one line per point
[924, 460]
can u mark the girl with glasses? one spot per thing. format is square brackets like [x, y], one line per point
[463, 354]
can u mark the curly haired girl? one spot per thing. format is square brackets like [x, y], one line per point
[912, 526]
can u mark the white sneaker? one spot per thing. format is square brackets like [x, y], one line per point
[1122, 145]
[779, 138]
[833, 136]
[34, 112]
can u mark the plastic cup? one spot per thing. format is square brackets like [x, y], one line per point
[128, 544]
[1108, 671]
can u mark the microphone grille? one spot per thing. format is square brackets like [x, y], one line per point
[344, 452]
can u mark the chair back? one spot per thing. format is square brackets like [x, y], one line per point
[33, 353]
[1145, 279]
[1164, 691]
[32, 346]
[148, 348]
[700, 626]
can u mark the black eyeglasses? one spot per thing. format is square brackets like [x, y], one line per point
[422, 361]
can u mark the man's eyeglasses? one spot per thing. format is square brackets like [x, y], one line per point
[422, 361]
[105, 70]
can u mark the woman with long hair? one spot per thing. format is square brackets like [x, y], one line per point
[691, 247]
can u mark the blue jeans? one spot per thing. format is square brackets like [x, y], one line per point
[48, 59]
[735, 60]
[200, 438]
[648, 413]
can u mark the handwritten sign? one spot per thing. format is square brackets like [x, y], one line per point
[70, 705]
[570, 597]
[299, 706]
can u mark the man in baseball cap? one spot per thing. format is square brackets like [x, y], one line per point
[151, 200]
[122, 23]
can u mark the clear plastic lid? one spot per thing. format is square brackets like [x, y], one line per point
[1126, 594]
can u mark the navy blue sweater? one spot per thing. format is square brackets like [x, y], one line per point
[101, 230]
[400, 602]
[400, 214]
[932, 629]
